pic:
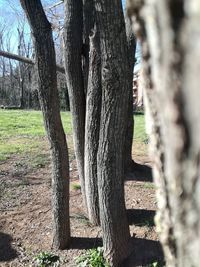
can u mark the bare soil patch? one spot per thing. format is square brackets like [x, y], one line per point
[25, 217]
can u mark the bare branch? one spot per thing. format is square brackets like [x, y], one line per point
[25, 60]
[57, 4]
[17, 57]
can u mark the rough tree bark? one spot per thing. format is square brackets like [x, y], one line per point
[93, 111]
[73, 46]
[88, 24]
[172, 37]
[114, 110]
[48, 95]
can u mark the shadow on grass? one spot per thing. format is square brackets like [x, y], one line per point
[144, 252]
[139, 172]
[140, 217]
[7, 253]
[138, 113]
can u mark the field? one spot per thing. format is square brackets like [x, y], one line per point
[25, 202]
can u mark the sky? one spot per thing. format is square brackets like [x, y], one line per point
[11, 12]
[11, 16]
[9, 9]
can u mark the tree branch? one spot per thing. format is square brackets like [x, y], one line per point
[55, 5]
[26, 60]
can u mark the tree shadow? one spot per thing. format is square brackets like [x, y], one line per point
[138, 113]
[85, 242]
[139, 172]
[144, 252]
[7, 253]
[141, 217]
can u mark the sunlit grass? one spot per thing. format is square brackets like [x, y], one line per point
[139, 131]
[22, 133]
[27, 123]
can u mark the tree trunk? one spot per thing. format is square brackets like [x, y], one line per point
[11, 75]
[3, 75]
[110, 167]
[48, 95]
[93, 111]
[73, 30]
[21, 88]
[88, 24]
[172, 36]
[21, 70]
[128, 162]
[29, 86]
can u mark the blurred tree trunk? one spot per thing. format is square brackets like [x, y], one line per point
[170, 35]
[73, 46]
[114, 60]
[48, 95]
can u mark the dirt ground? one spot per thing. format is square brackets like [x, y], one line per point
[25, 216]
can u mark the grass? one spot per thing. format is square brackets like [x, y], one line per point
[22, 134]
[75, 186]
[92, 258]
[27, 123]
[139, 131]
[149, 185]
[45, 259]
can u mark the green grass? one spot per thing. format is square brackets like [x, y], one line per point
[75, 186]
[27, 123]
[139, 131]
[22, 133]
[45, 259]
[149, 185]
[92, 258]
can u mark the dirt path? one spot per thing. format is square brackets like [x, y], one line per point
[25, 217]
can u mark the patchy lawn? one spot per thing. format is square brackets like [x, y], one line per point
[25, 202]
[22, 132]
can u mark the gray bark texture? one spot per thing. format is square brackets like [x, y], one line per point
[73, 45]
[93, 111]
[170, 35]
[88, 25]
[48, 95]
[110, 167]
